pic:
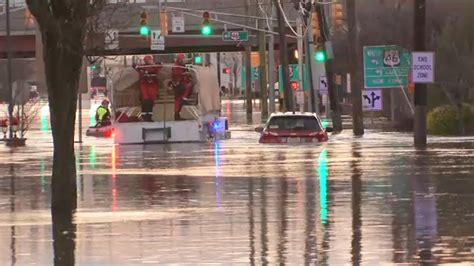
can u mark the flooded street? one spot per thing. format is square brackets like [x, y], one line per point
[372, 200]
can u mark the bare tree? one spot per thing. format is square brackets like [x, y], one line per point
[63, 25]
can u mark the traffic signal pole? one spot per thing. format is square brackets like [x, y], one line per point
[248, 72]
[11, 103]
[355, 70]
[420, 89]
[262, 49]
[332, 90]
[283, 47]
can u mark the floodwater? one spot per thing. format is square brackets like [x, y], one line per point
[373, 200]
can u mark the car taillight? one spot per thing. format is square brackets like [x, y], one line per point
[318, 136]
[269, 133]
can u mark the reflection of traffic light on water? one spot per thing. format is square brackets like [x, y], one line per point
[323, 173]
[42, 173]
[44, 118]
[92, 157]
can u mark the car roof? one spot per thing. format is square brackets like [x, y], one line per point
[289, 114]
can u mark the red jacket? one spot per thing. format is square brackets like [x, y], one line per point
[148, 81]
[179, 73]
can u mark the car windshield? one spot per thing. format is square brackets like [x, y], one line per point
[294, 123]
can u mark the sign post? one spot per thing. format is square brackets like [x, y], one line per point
[386, 67]
[157, 41]
[422, 67]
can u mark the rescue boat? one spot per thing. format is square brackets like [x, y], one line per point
[199, 118]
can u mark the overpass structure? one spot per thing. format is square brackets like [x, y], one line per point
[124, 17]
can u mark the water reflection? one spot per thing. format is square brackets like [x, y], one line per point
[356, 184]
[424, 207]
[64, 237]
[368, 202]
[12, 209]
[264, 219]
[310, 245]
[323, 185]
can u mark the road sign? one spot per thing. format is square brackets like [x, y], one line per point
[177, 24]
[386, 67]
[323, 84]
[157, 41]
[111, 39]
[240, 36]
[372, 100]
[422, 67]
[300, 97]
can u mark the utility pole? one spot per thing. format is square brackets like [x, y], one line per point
[420, 89]
[271, 65]
[299, 23]
[356, 69]
[11, 102]
[310, 62]
[333, 93]
[248, 71]
[283, 47]
[262, 73]
[219, 69]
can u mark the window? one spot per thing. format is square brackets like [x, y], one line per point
[294, 123]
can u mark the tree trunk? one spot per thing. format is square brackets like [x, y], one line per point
[63, 61]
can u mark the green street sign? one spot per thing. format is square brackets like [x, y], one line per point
[240, 36]
[386, 67]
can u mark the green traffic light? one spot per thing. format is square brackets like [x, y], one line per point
[320, 56]
[144, 31]
[94, 67]
[197, 60]
[206, 30]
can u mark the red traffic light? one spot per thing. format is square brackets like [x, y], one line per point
[226, 70]
[294, 85]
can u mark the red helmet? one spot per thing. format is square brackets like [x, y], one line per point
[148, 59]
[180, 57]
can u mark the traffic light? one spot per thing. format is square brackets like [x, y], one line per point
[144, 29]
[294, 85]
[315, 25]
[226, 70]
[320, 56]
[206, 28]
[164, 22]
[197, 60]
[337, 15]
[296, 54]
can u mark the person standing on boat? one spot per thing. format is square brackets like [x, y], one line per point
[148, 73]
[181, 80]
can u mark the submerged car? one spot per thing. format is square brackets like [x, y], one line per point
[293, 128]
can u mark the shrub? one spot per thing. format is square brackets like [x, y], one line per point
[444, 120]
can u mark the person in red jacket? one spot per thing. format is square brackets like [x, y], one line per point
[182, 85]
[148, 86]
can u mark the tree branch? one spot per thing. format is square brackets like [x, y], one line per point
[40, 9]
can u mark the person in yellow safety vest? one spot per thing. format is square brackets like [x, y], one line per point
[102, 115]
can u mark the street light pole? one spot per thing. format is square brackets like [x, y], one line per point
[9, 71]
[420, 89]
[283, 47]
